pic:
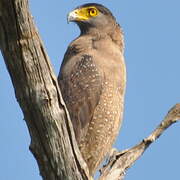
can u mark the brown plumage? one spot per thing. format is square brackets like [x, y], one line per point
[92, 79]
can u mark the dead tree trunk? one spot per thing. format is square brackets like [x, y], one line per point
[37, 91]
[52, 138]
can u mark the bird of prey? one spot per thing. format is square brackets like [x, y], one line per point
[92, 80]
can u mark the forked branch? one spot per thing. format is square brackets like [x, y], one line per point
[121, 161]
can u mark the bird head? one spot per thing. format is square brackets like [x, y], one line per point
[91, 15]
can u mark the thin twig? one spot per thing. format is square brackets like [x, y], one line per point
[121, 161]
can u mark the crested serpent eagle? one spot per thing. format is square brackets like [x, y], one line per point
[92, 79]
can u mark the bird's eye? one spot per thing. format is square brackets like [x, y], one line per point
[93, 12]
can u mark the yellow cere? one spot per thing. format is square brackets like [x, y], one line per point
[86, 12]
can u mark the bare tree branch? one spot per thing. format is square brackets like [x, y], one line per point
[37, 91]
[121, 161]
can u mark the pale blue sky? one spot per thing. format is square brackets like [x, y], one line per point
[152, 37]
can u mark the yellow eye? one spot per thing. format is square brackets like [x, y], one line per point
[93, 12]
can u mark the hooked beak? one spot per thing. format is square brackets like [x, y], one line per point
[77, 15]
[72, 16]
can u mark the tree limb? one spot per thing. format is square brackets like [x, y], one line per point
[52, 138]
[121, 161]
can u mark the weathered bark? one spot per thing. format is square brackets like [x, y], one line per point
[36, 89]
[121, 161]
